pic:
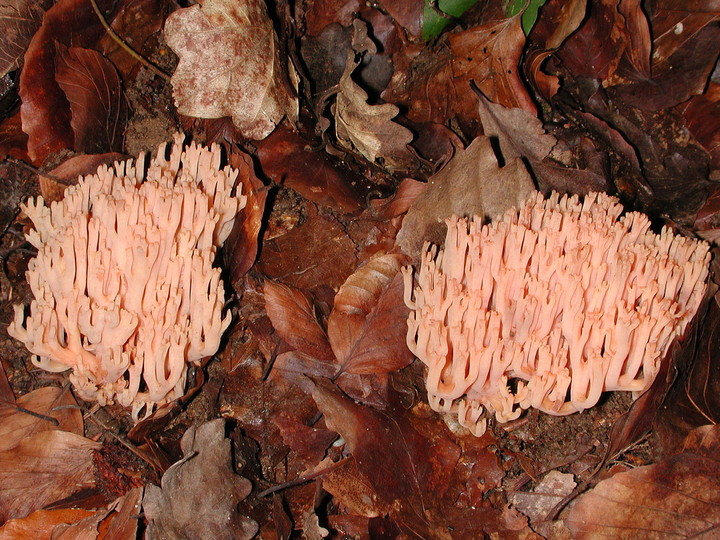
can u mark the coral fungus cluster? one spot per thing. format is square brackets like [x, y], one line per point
[549, 306]
[125, 293]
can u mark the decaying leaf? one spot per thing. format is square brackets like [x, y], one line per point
[230, 65]
[42, 469]
[470, 184]
[367, 128]
[677, 497]
[41, 523]
[56, 409]
[367, 324]
[19, 19]
[199, 494]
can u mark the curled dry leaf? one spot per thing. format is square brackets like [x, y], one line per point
[200, 493]
[369, 129]
[677, 497]
[241, 247]
[52, 403]
[19, 20]
[230, 65]
[367, 325]
[98, 107]
[42, 469]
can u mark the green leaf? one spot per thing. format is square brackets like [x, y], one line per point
[434, 23]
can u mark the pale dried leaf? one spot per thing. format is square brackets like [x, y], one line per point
[230, 65]
[367, 325]
[42, 469]
[200, 493]
[470, 184]
[50, 402]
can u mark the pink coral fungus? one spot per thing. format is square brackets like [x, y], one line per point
[124, 285]
[548, 307]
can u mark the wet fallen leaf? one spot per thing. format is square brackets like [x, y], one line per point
[42, 469]
[230, 65]
[55, 409]
[367, 327]
[241, 247]
[677, 497]
[199, 494]
[288, 159]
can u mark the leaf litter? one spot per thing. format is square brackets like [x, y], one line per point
[355, 138]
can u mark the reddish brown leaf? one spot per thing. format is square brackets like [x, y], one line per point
[367, 325]
[317, 252]
[400, 464]
[97, 103]
[40, 524]
[288, 159]
[241, 247]
[43, 468]
[45, 109]
[702, 118]
[321, 13]
[57, 409]
[19, 20]
[438, 86]
[595, 49]
[677, 497]
[294, 318]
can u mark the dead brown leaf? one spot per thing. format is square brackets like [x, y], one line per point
[98, 107]
[470, 184]
[199, 494]
[41, 523]
[230, 65]
[677, 497]
[437, 86]
[42, 469]
[20, 19]
[288, 159]
[369, 129]
[55, 407]
[241, 247]
[294, 318]
[54, 182]
[367, 326]
[45, 110]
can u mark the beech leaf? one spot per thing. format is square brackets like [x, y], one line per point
[230, 65]
[42, 469]
[367, 325]
[19, 20]
[52, 402]
[293, 317]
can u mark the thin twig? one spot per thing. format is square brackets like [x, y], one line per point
[132, 52]
[303, 479]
